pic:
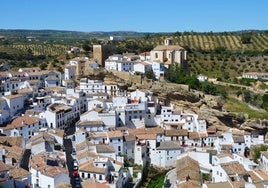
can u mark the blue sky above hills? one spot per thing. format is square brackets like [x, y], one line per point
[135, 15]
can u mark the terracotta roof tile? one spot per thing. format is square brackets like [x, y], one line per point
[114, 134]
[189, 184]
[187, 166]
[176, 132]
[233, 168]
[219, 185]
[12, 140]
[238, 139]
[19, 173]
[13, 96]
[129, 137]
[168, 47]
[254, 176]
[193, 135]
[96, 185]
[39, 162]
[89, 167]
[89, 123]
[104, 148]
[146, 136]
[21, 122]
[168, 145]
[3, 167]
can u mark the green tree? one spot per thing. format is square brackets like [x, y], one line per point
[220, 49]
[43, 66]
[246, 38]
[209, 88]
[150, 74]
[265, 102]
[247, 97]
[87, 47]
[257, 152]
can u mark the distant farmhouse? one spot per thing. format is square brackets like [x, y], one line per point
[255, 75]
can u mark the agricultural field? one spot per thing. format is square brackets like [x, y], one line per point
[43, 49]
[210, 41]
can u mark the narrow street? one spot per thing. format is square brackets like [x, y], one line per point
[172, 176]
[68, 151]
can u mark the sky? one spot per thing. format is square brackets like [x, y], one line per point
[135, 15]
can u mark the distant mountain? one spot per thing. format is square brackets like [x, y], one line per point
[49, 34]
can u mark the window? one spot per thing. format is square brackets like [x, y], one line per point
[88, 175]
[83, 174]
[156, 55]
[119, 148]
[119, 140]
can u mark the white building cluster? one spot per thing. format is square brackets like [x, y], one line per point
[114, 129]
[160, 58]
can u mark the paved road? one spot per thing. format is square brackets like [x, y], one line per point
[172, 176]
[238, 85]
[68, 150]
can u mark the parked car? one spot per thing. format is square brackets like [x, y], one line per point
[75, 173]
[75, 162]
[77, 180]
[73, 152]
[75, 167]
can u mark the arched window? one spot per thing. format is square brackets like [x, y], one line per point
[156, 55]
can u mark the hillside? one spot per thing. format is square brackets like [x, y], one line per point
[58, 35]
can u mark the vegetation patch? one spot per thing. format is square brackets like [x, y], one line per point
[239, 107]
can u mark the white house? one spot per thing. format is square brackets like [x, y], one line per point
[96, 168]
[219, 174]
[264, 160]
[41, 102]
[233, 171]
[106, 150]
[48, 169]
[59, 115]
[166, 154]
[116, 140]
[202, 78]
[97, 86]
[129, 146]
[42, 142]
[255, 75]
[119, 63]
[4, 111]
[69, 72]
[24, 126]
[145, 56]
[15, 103]
[69, 84]
[140, 153]
[142, 67]
[158, 69]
